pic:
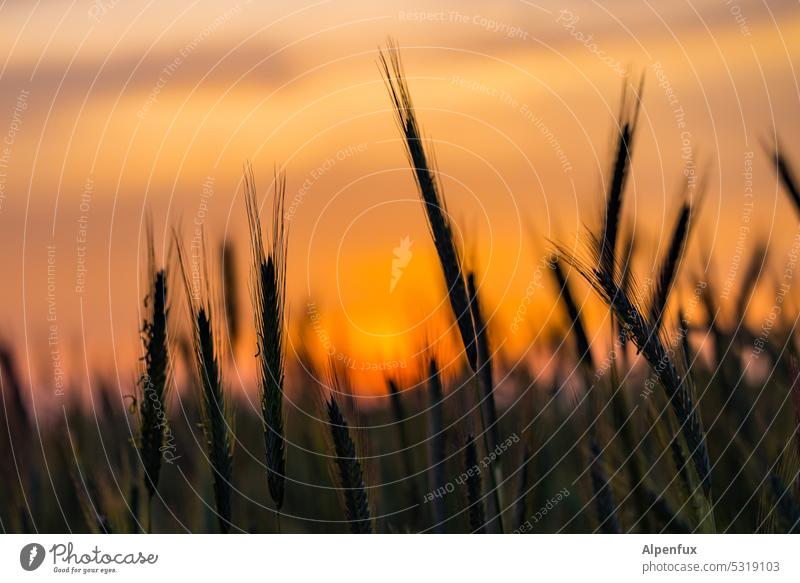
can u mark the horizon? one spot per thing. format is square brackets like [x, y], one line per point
[121, 112]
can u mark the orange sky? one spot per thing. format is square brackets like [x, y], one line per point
[110, 108]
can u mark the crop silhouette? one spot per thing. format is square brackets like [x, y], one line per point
[650, 424]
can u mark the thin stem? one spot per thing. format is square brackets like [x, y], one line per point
[492, 476]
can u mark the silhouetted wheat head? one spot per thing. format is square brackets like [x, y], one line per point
[351, 475]
[217, 417]
[430, 192]
[643, 466]
[652, 346]
[154, 380]
[668, 267]
[602, 269]
[630, 102]
[268, 292]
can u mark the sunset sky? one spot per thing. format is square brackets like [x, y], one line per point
[110, 109]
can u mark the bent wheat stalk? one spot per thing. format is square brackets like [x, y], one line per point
[678, 387]
[432, 199]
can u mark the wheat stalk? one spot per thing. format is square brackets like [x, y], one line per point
[351, 475]
[436, 443]
[602, 271]
[154, 380]
[582, 347]
[521, 508]
[432, 199]
[230, 287]
[488, 409]
[268, 292]
[630, 103]
[602, 494]
[678, 387]
[484, 363]
[85, 488]
[477, 519]
[215, 409]
[668, 268]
